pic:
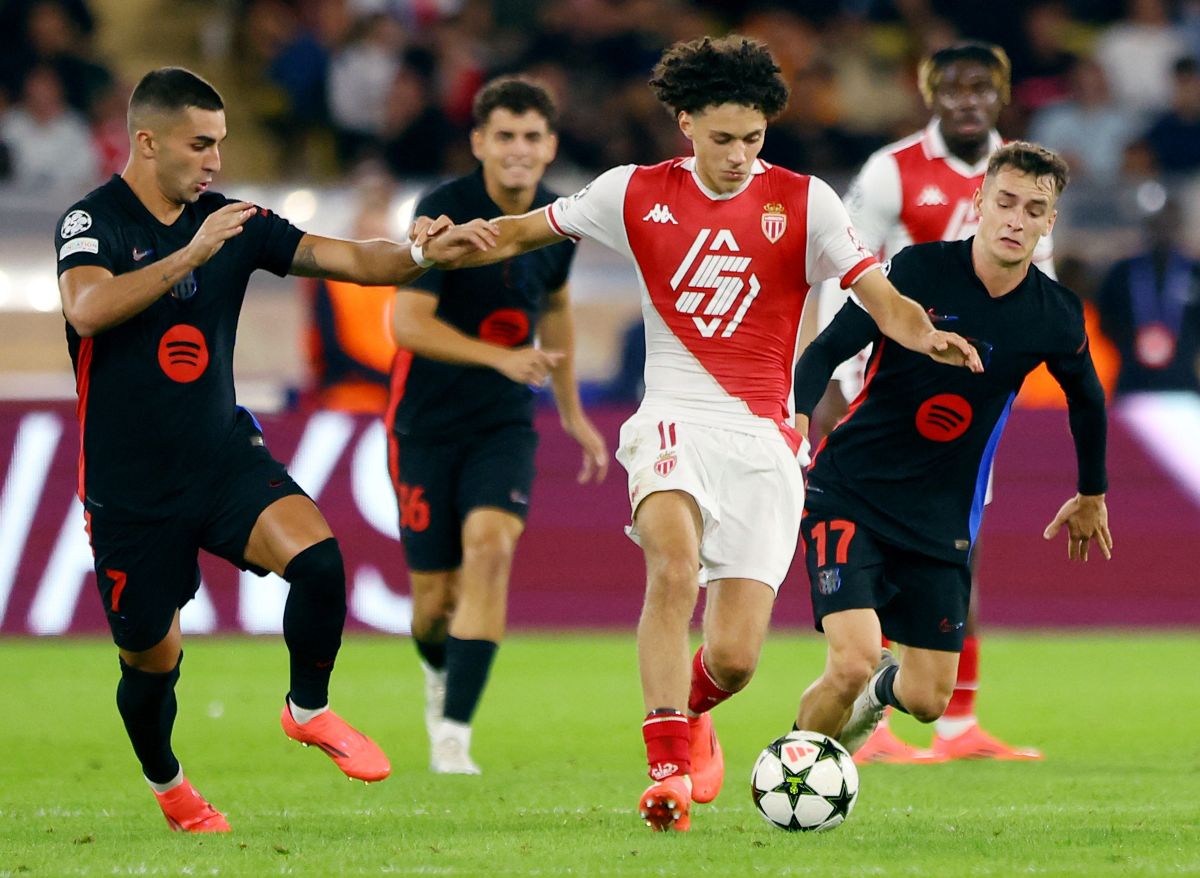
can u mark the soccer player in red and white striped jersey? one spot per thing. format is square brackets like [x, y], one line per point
[726, 248]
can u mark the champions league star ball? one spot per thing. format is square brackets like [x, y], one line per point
[804, 782]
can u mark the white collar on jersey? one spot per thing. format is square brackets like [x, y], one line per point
[759, 167]
[935, 147]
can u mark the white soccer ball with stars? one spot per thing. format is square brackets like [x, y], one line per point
[804, 782]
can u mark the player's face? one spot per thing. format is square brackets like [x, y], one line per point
[514, 149]
[726, 139]
[1016, 210]
[967, 102]
[185, 148]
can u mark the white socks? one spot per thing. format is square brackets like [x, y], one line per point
[161, 788]
[303, 714]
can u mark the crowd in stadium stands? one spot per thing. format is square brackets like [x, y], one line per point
[1112, 84]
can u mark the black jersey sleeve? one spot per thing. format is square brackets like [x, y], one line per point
[86, 236]
[1076, 375]
[275, 240]
[848, 333]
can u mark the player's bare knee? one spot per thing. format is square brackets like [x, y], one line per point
[671, 579]
[848, 674]
[927, 704]
[489, 552]
[731, 665]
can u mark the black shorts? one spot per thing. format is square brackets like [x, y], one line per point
[439, 482]
[921, 600]
[146, 570]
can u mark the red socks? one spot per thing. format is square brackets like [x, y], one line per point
[962, 702]
[666, 734]
[705, 694]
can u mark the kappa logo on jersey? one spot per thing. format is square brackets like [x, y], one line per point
[774, 221]
[183, 353]
[722, 273]
[660, 213]
[930, 196]
[75, 222]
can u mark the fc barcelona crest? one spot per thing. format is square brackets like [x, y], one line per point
[665, 464]
[774, 221]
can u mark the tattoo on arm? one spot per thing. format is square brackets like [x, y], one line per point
[304, 263]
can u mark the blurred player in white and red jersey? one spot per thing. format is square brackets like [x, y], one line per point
[726, 248]
[915, 191]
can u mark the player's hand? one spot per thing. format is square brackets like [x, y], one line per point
[529, 365]
[953, 350]
[595, 451]
[1086, 518]
[446, 244]
[219, 227]
[423, 228]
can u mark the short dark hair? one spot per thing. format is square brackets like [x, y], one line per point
[171, 89]
[929, 75]
[709, 72]
[1030, 158]
[518, 95]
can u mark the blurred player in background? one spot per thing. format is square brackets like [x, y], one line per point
[152, 269]
[917, 190]
[896, 491]
[726, 248]
[461, 437]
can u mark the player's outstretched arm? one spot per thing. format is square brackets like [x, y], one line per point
[851, 330]
[1086, 519]
[385, 263]
[94, 299]
[417, 328]
[515, 235]
[905, 321]
[556, 329]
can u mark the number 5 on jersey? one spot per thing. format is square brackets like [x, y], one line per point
[722, 273]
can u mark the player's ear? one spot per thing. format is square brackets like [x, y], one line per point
[1050, 222]
[477, 143]
[551, 147]
[685, 123]
[143, 142]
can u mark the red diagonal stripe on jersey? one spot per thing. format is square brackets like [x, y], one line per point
[83, 376]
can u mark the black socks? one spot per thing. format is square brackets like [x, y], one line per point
[313, 618]
[467, 665]
[885, 688]
[146, 702]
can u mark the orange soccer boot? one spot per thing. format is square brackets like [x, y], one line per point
[187, 811]
[708, 762]
[666, 804]
[975, 743]
[884, 746]
[354, 753]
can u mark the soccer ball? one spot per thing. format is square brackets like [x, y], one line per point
[804, 782]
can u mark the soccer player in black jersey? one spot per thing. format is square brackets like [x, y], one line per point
[461, 450]
[895, 494]
[152, 270]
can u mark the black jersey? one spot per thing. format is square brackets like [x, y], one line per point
[913, 454]
[156, 396]
[498, 303]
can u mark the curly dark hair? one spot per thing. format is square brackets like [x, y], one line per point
[709, 72]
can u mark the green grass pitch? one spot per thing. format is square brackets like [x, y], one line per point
[558, 738]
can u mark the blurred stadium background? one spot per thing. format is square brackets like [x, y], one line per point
[341, 112]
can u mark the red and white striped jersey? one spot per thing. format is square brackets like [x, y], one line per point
[723, 279]
[915, 191]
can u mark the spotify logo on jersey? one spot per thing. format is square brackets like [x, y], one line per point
[183, 353]
[944, 417]
[507, 326]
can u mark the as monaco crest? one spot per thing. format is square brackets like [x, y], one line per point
[774, 221]
[665, 464]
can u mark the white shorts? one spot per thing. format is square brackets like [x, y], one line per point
[749, 487]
